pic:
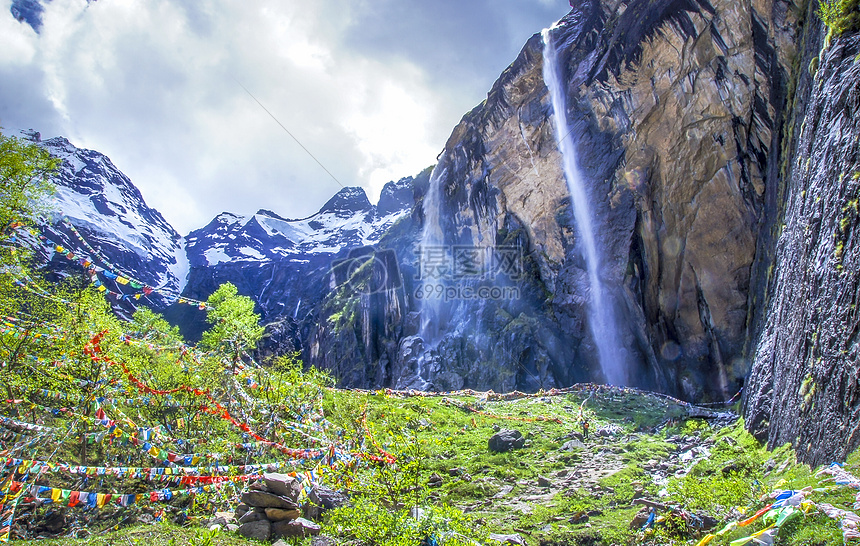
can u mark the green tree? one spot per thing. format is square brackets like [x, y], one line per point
[235, 325]
[54, 323]
[25, 170]
[149, 325]
[155, 353]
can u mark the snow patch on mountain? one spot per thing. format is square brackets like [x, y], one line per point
[216, 255]
[180, 267]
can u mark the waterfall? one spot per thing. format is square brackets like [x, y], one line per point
[431, 238]
[602, 321]
[429, 301]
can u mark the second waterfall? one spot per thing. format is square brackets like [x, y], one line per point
[601, 314]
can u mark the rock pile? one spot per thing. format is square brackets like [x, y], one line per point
[271, 510]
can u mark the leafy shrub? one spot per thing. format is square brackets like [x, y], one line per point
[374, 525]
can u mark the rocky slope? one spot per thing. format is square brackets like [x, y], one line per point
[804, 387]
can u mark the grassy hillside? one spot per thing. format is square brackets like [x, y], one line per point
[643, 451]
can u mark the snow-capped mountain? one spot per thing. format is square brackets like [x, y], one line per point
[346, 221]
[285, 265]
[115, 227]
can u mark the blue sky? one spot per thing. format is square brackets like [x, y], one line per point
[372, 88]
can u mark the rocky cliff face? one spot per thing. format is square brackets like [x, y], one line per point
[805, 387]
[675, 108]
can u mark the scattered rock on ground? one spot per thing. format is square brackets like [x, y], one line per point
[506, 440]
[508, 539]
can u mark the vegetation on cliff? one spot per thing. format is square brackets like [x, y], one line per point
[840, 16]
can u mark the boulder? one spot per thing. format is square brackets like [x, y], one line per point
[506, 440]
[299, 527]
[258, 530]
[327, 498]
[435, 480]
[263, 499]
[578, 517]
[279, 514]
[572, 444]
[253, 515]
[283, 485]
[241, 510]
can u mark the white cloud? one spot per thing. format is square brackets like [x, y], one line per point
[154, 84]
[17, 44]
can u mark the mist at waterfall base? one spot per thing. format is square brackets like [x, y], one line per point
[602, 320]
[457, 305]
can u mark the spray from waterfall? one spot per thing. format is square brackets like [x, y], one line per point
[602, 321]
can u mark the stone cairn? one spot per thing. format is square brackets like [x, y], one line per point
[271, 510]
